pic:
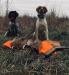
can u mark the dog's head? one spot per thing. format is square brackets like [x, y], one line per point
[12, 15]
[41, 10]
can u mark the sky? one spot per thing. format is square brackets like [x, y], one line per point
[61, 7]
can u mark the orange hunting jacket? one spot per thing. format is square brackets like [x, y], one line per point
[45, 46]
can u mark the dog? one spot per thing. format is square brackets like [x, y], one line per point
[41, 30]
[13, 26]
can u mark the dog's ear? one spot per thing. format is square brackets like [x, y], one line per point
[38, 8]
[45, 9]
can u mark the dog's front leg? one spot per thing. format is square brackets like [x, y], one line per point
[46, 31]
[37, 39]
[36, 30]
[36, 33]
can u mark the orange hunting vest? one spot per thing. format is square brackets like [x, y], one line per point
[8, 44]
[45, 46]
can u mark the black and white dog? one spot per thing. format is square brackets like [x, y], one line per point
[41, 30]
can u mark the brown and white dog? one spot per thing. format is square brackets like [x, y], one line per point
[41, 23]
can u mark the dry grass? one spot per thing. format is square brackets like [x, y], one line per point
[27, 62]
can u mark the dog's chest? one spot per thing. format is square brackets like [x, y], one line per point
[41, 32]
[42, 21]
[41, 28]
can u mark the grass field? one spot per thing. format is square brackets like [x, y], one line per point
[27, 62]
